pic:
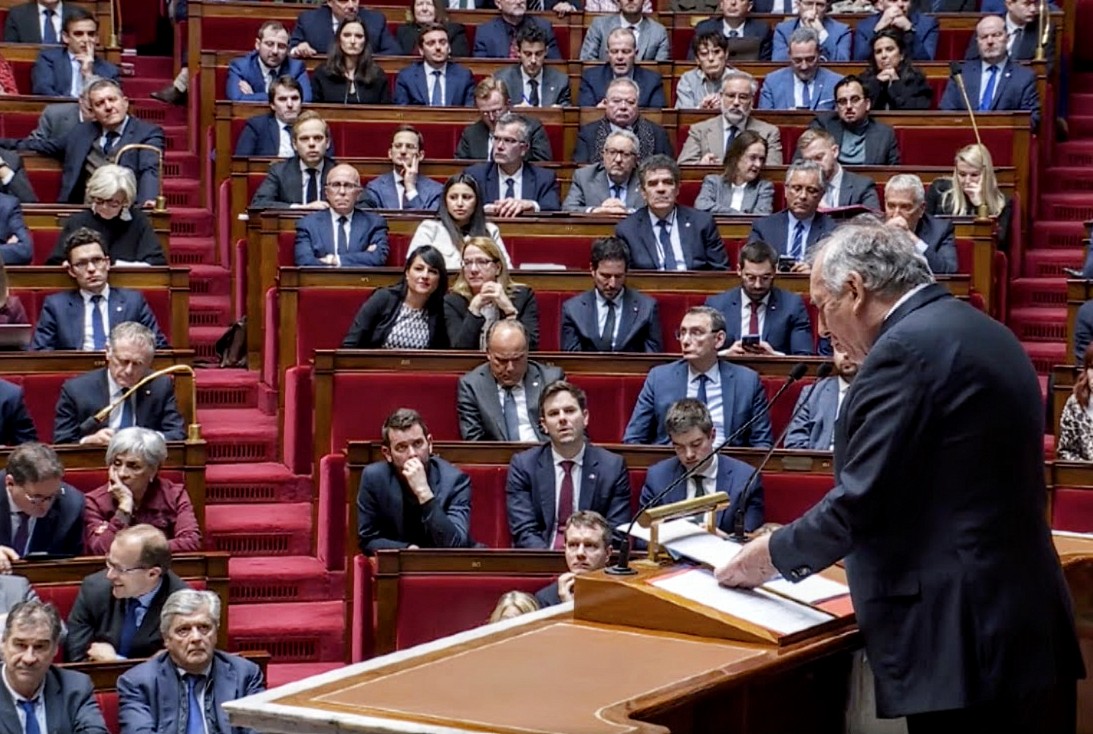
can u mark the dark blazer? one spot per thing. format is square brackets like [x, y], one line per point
[538, 183]
[51, 75]
[732, 477]
[474, 143]
[492, 38]
[1025, 50]
[910, 91]
[84, 395]
[260, 137]
[938, 527]
[934, 207]
[97, 616]
[922, 39]
[835, 48]
[250, 69]
[742, 397]
[1083, 331]
[134, 240]
[652, 138]
[774, 230]
[380, 193]
[24, 24]
[881, 148]
[316, 27]
[59, 532]
[407, 34]
[858, 190]
[283, 184]
[594, 83]
[481, 417]
[382, 509]
[60, 324]
[70, 704]
[786, 325]
[11, 223]
[940, 239]
[1015, 89]
[376, 316]
[465, 329]
[548, 596]
[411, 85]
[150, 695]
[334, 89]
[530, 492]
[367, 240]
[553, 87]
[753, 28]
[699, 239]
[16, 425]
[20, 186]
[638, 325]
[813, 424]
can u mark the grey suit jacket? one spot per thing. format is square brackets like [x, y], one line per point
[653, 44]
[709, 137]
[57, 120]
[858, 190]
[69, 701]
[480, 413]
[591, 187]
[14, 589]
[554, 89]
[715, 196]
[813, 424]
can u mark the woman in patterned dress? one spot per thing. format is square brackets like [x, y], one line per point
[1076, 429]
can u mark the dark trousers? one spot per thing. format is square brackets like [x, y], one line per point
[1053, 711]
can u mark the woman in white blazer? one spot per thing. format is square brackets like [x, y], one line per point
[459, 217]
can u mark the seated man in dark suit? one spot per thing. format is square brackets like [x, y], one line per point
[1022, 18]
[813, 424]
[15, 240]
[611, 186]
[129, 355]
[404, 188]
[611, 317]
[921, 31]
[905, 208]
[116, 612]
[16, 425]
[793, 231]
[435, 80]
[49, 513]
[412, 499]
[35, 21]
[496, 39]
[812, 14]
[491, 97]
[740, 31]
[733, 394]
[342, 236]
[587, 549]
[252, 77]
[63, 71]
[841, 187]
[510, 186]
[663, 235]
[269, 135]
[14, 180]
[152, 695]
[297, 183]
[862, 140]
[499, 400]
[621, 112]
[546, 485]
[692, 434]
[81, 319]
[531, 81]
[313, 33]
[64, 699]
[1083, 330]
[621, 52]
[757, 308]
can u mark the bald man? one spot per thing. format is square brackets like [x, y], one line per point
[341, 236]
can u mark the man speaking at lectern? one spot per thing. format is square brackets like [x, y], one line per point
[939, 503]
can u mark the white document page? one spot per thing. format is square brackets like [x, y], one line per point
[812, 590]
[689, 540]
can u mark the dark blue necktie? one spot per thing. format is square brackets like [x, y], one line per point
[32, 720]
[22, 534]
[195, 716]
[49, 33]
[111, 142]
[437, 98]
[98, 328]
[798, 252]
[988, 92]
[128, 627]
[126, 413]
[312, 186]
[533, 97]
[343, 238]
[666, 245]
[608, 335]
[617, 192]
[512, 418]
[702, 380]
[806, 96]
[510, 188]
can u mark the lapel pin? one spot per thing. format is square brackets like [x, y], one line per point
[591, 476]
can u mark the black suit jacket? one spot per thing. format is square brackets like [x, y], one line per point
[638, 325]
[753, 28]
[283, 185]
[20, 186]
[84, 395]
[16, 425]
[699, 239]
[538, 184]
[940, 239]
[881, 148]
[59, 532]
[97, 616]
[956, 585]
[465, 329]
[23, 24]
[474, 143]
[406, 35]
[377, 315]
[261, 137]
[652, 138]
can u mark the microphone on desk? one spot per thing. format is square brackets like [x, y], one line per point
[193, 432]
[745, 494]
[622, 566]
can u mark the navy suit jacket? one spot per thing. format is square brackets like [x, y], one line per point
[84, 395]
[813, 424]
[19, 252]
[774, 230]
[316, 27]
[742, 396]
[786, 325]
[938, 234]
[381, 517]
[251, 70]
[530, 492]
[1083, 331]
[16, 425]
[70, 705]
[753, 28]
[835, 48]
[777, 90]
[367, 240]
[699, 239]
[411, 87]
[732, 477]
[638, 325]
[1015, 89]
[261, 137]
[59, 532]
[283, 185]
[51, 75]
[60, 324]
[491, 39]
[925, 37]
[538, 184]
[594, 83]
[380, 193]
[150, 695]
[24, 24]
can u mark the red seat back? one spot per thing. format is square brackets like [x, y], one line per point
[489, 515]
[365, 399]
[108, 704]
[323, 318]
[1072, 509]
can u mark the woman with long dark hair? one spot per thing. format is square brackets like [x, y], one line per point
[350, 75]
[459, 216]
[741, 188]
[423, 12]
[890, 81]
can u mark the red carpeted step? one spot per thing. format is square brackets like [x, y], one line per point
[260, 530]
[210, 311]
[213, 280]
[1081, 126]
[192, 222]
[192, 250]
[178, 161]
[283, 579]
[182, 192]
[227, 388]
[1068, 206]
[255, 482]
[1038, 324]
[1057, 234]
[1037, 292]
[239, 435]
[1049, 263]
[203, 342]
[1074, 153]
[1069, 178]
[157, 67]
[1046, 355]
[157, 113]
[1081, 104]
[278, 674]
[304, 632]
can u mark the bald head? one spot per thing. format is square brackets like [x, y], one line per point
[990, 36]
[343, 184]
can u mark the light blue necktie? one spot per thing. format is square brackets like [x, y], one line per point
[32, 720]
[49, 32]
[798, 251]
[988, 92]
[437, 98]
[195, 717]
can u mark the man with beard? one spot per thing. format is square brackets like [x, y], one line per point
[862, 140]
[270, 135]
[587, 549]
[510, 186]
[707, 142]
[804, 84]
[818, 407]
[404, 188]
[841, 187]
[252, 77]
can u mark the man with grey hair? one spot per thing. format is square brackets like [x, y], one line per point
[905, 208]
[938, 508]
[652, 43]
[510, 185]
[43, 515]
[129, 355]
[183, 689]
[38, 696]
[793, 231]
[621, 112]
[619, 64]
[610, 186]
[803, 84]
[709, 141]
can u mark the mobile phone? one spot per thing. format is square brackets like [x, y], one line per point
[749, 340]
[785, 264]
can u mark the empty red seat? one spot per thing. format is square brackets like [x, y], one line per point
[1072, 509]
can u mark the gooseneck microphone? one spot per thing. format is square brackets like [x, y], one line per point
[98, 420]
[742, 505]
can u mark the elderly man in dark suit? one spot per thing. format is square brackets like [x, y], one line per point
[748, 38]
[492, 99]
[663, 235]
[621, 54]
[269, 135]
[587, 548]
[313, 33]
[191, 674]
[536, 84]
[937, 526]
[793, 231]
[116, 612]
[905, 208]
[404, 187]
[921, 31]
[611, 186]
[36, 21]
[499, 400]
[621, 112]
[298, 182]
[862, 140]
[16, 425]
[341, 236]
[65, 70]
[812, 426]
[496, 39]
[253, 76]
[412, 499]
[611, 317]
[510, 185]
[548, 483]
[49, 513]
[842, 188]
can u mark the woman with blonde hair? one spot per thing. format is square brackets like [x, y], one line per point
[1076, 425]
[484, 294]
[513, 604]
[977, 186]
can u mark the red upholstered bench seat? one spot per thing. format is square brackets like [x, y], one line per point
[1072, 509]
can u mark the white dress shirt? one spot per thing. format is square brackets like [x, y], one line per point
[527, 432]
[431, 81]
[39, 702]
[745, 313]
[708, 475]
[58, 13]
[831, 193]
[673, 235]
[799, 92]
[88, 339]
[334, 217]
[736, 201]
[714, 403]
[527, 87]
[116, 391]
[284, 140]
[304, 168]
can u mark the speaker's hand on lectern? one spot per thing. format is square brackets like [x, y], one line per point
[750, 567]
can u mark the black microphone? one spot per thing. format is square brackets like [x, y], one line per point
[956, 68]
[741, 509]
[622, 566]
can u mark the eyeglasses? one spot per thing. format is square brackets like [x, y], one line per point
[112, 203]
[478, 263]
[39, 499]
[616, 153]
[121, 570]
[757, 279]
[98, 262]
[692, 333]
[847, 101]
[340, 186]
[506, 140]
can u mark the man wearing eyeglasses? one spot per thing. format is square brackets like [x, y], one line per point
[38, 512]
[709, 141]
[610, 186]
[795, 230]
[510, 185]
[862, 140]
[842, 188]
[116, 612]
[342, 236]
[492, 100]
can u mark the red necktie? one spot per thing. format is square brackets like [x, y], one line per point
[753, 323]
[565, 504]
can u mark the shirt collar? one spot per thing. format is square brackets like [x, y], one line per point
[710, 470]
[518, 174]
[181, 673]
[713, 374]
[304, 168]
[37, 697]
[87, 295]
[601, 301]
[578, 460]
[837, 178]
[670, 219]
[807, 221]
[145, 600]
[904, 298]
